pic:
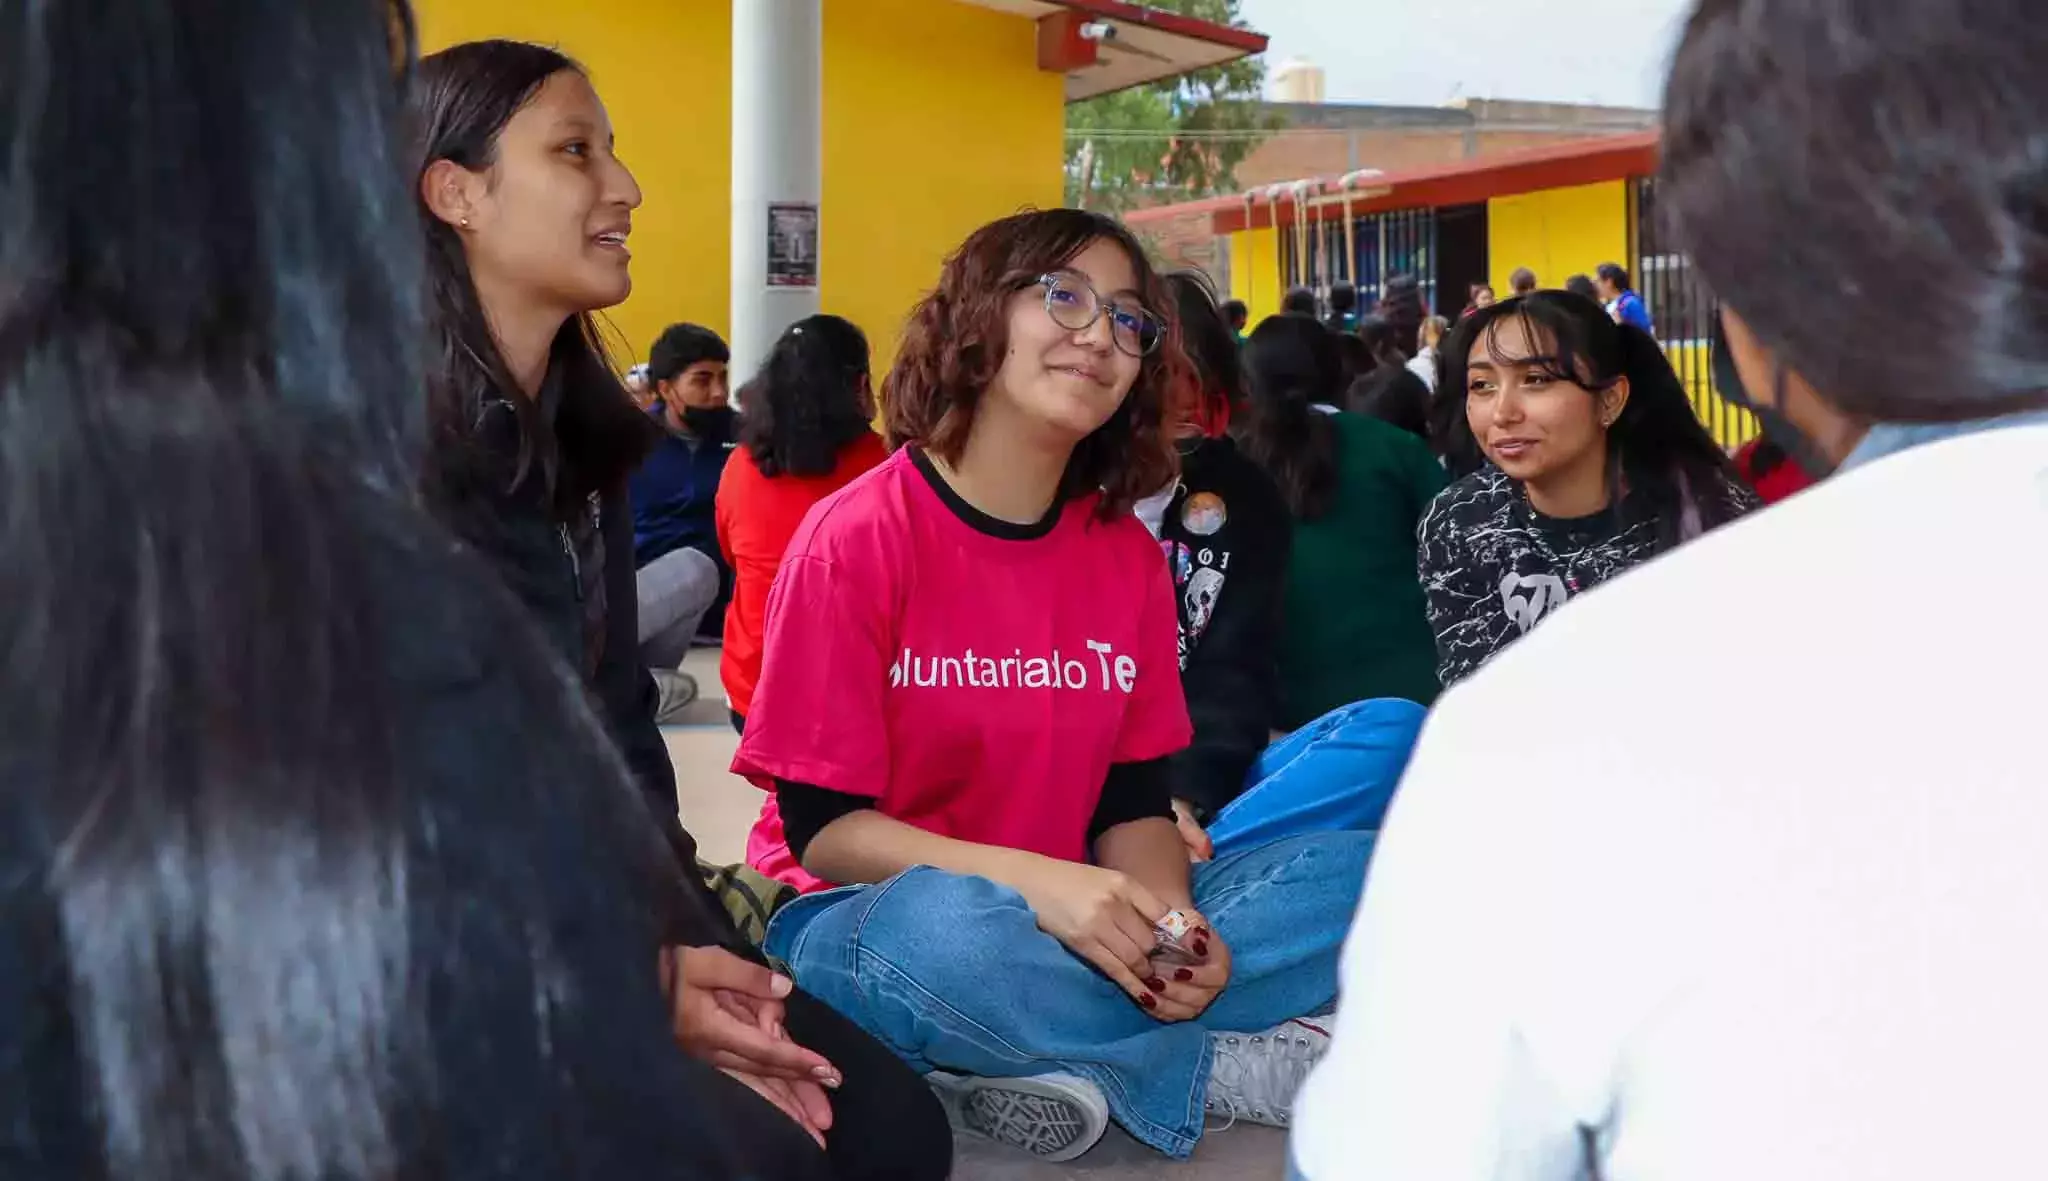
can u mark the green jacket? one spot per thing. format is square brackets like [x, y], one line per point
[1357, 626]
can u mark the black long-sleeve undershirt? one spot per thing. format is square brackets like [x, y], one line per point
[1131, 791]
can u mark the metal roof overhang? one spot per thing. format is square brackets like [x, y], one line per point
[1148, 45]
[1553, 166]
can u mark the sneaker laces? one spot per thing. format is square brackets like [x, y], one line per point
[1256, 1076]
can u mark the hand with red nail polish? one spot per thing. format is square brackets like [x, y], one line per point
[1193, 987]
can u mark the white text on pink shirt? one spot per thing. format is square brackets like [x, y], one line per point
[1016, 671]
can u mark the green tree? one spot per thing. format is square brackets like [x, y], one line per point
[1169, 141]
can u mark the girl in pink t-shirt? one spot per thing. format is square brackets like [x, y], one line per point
[969, 689]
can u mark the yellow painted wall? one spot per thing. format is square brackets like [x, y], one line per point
[1255, 273]
[937, 120]
[1557, 232]
[663, 69]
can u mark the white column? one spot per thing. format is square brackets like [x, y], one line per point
[778, 55]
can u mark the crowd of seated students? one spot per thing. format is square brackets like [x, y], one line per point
[341, 839]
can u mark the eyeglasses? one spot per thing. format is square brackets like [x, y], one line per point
[1074, 306]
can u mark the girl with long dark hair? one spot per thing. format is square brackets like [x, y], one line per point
[1227, 533]
[1596, 464]
[1355, 629]
[970, 693]
[804, 434]
[1388, 390]
[526, 210]
[313, 861]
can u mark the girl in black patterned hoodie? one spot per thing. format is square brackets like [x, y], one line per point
[1595, 464]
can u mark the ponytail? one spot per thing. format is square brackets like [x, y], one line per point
[1291, 365]
[806, 405]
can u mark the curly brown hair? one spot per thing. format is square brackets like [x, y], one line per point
[957, 337]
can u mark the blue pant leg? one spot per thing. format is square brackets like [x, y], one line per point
[1336, 774]
[1284, 909]
[952, 971]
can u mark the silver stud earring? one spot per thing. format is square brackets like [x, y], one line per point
[465, 223]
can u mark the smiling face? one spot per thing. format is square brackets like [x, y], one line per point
[546, 223]
[1069, 381]
[1531, 422]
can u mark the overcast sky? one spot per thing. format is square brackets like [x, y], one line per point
[1428, 52]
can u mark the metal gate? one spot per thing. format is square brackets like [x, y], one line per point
[1684, 313]
[1381, 245]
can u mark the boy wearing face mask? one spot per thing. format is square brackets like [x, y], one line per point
[683, 582]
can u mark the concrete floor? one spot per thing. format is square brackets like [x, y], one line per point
[718, 807]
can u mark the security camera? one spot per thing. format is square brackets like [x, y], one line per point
[1098, 31]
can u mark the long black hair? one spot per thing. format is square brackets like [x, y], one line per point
[805, 405]
[1291, 365]
[1828, 165]
[462, 99]
[219, 906]
[1659, 456]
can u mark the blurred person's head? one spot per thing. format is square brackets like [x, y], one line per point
[1523, 281]
[1611, 279]
[812, 397]
[1581, 285]
[1214, 389]
[639, 388]
[1581, 410]
[1805, 168]
[1382, 342]
[1299, 301]
[1431, 334]
[1343, 298]
[526, 211]
[1236, 314]
[1481, 296]
[1045, 332]
[1354, 360]
[1292, 365]
[1401, 305]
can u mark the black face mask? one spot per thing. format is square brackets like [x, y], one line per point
[709, 422]
[1777, 428]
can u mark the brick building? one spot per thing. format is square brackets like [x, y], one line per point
[1332, 139]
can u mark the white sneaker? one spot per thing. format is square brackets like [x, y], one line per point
[676, 691]
[1255, 1076]
[1054, 1117]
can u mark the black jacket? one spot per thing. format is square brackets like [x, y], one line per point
[566, 551]
[1226, 534]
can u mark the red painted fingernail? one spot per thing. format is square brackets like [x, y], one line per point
[1155, 984]
[1201, 947]
[1146, 999]
[1183, 975]
[1202, 932]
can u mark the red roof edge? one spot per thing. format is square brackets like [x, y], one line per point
[1559, 165]
[1171, 22]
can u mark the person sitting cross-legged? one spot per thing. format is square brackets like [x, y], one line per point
[968, 699]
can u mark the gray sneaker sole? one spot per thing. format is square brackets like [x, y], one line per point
[1045, 1120]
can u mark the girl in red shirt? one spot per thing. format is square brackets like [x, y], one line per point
[970, 690]
[803, 435]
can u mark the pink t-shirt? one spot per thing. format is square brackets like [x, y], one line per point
[976, 686]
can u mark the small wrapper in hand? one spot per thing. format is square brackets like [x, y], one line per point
[1172, 931]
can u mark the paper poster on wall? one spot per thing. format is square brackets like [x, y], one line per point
[792, 244]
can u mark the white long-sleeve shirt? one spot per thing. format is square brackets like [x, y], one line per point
[1736, 869]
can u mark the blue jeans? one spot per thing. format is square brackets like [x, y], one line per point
[952, 972]
[1336, 774]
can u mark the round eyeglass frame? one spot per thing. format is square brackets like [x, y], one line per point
[1149, 329]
